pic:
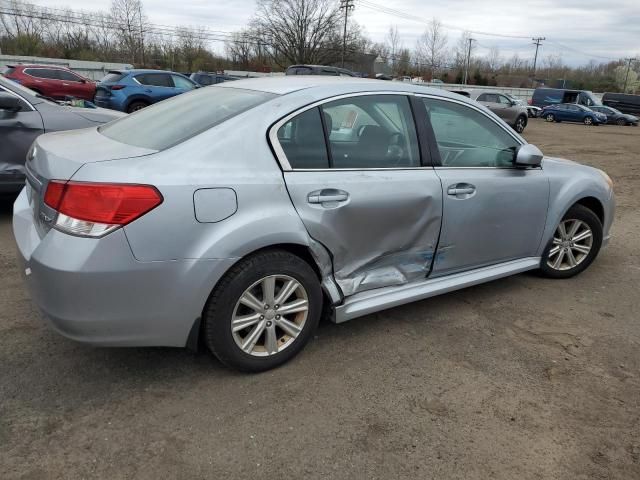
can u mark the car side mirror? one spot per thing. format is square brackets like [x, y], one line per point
[528, 155]
[10, 103]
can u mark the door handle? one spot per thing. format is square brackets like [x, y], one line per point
[461, 189]
[327, 195]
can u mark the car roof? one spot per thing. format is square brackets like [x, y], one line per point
[37, 65]
[325, 86]
[136, 71]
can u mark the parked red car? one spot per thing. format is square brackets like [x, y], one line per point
[52, 81]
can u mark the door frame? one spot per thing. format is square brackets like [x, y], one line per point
[418, 112]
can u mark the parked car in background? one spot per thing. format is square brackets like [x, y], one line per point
[506, 108]
[571, 112]
[24, 115]
[204, 79]
[532, 111]
[52, 81]
[543, 96]
[132, 90]
[319, 70]
[239, 222]
[616, 116]
[624, 102]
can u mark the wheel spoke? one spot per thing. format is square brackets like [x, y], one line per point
[270, 340]
[248, 299]
[558, 261]
[286, 291]
[574, 228]
[294, 307]
[290, 328]
[582, 249]
[253, 337]
[240, 323]
[571, 259]
[269, 290]
[562, 230]
[557, 241]
[582, 236]
[554, 250]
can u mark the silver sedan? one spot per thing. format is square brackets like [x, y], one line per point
[239, 214]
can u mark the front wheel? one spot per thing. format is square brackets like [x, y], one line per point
[550, 117]
[521, 123]
[575, 244]
[588, 120]
[263, 311]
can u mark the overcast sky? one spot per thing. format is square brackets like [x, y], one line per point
[579, 30]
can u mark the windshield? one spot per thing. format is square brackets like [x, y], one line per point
[173, 121]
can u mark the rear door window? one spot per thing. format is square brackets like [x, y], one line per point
[303, 142]
[68, 76]
[155, 80]
[48, 73]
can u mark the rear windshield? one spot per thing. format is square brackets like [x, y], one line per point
[173, 121]
[112, 77]
[7, 70]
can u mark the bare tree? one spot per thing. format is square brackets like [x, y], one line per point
[494, 61]
[431, 48]
[130, 22]
[461, 50]
[240, 48]
[394, 45]
[299, 31]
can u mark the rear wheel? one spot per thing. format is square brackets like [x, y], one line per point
[621, 121]
[263, 312]
[550, 117]
[135, 106]
[575, 244]
[588, 120]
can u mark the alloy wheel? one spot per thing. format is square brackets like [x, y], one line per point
[520, 125]
[550, 118]
[588, 121]
[270, 315]
[572, 242]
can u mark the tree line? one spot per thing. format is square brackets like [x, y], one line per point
[281, 33]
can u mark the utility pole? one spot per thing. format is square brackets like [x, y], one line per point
[347, 6]
[537, 42]
[467, 64]
[141, 34]
[626, 78]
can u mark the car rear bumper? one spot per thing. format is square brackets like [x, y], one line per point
[95, 291]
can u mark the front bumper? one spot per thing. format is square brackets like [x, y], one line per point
[95, 291]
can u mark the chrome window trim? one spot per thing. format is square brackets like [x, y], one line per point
[10, 92]
[282, 157]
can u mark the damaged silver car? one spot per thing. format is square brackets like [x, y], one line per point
[237, 214]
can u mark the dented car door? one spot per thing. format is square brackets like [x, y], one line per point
[364, 193]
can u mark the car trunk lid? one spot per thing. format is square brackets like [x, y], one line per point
[58, 156]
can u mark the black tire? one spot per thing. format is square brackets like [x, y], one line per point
[582, 213]
[218, 312]
[621, 121]
[588, 121]
[520, 124]
[137, 105]
[550, 117]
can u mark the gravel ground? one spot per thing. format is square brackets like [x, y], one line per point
[522, 378]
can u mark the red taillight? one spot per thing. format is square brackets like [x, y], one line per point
[117, 87]
[104, 203]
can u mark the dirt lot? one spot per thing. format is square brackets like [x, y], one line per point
[522, 378]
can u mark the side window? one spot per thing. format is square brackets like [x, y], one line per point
[155, 80]
[373, 131]
[489, 97]
[181, 82]
[68, 76]
[24, 106]
[302, 140]
[468, 138]
[504, 100]
[47, 73]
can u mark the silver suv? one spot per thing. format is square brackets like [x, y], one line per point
[511, 111]
[238, 213]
